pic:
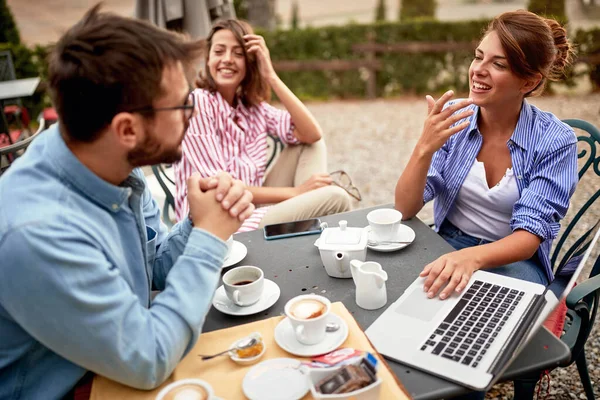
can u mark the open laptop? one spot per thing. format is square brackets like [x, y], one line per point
[470, 338]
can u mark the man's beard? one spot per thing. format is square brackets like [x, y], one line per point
[150, 153]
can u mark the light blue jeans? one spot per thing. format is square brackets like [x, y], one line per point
[529, 270]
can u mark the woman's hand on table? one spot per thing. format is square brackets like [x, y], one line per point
[438, 125]
[452, 270]
[255, 44]
[314, 182]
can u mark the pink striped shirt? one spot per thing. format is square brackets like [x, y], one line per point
[231, 139]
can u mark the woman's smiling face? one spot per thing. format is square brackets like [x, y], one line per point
[490, 77]
[226, 61]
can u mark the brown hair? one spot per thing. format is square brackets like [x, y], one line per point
[253, 89]
[533, 45]
[107, 64]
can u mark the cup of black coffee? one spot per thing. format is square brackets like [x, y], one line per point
[244, 285]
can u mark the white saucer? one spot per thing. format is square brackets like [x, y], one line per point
[237, 254]
[286, 339]
[276, 379]
[406, 234]
[270, 295]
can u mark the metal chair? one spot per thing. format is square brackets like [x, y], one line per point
[582, 301]
[274, 147]
[15, 107]
[162, 178]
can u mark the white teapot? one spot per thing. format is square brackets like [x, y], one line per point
[338, 246]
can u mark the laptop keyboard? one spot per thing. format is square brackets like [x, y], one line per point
[474, 323]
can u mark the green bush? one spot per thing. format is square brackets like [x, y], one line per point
[411, 9]
[588, 43]
[401, 73]
[29, 63]
[8, 30]
[549, 8]
[380, 11]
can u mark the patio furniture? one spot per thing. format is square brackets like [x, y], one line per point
[10, 153]
[162, 183]
[582, 302]
[14, 89]
[296, 266]
[164, 177]
[15, 109]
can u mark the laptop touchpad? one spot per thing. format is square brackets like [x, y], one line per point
[417, 305]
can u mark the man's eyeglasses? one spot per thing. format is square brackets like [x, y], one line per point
[188, 107]
[342, 179]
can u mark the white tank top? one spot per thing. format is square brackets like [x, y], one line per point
[481, 211]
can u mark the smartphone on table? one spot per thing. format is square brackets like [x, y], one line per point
[290, 229]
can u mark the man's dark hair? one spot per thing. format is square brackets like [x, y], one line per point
[107, 64]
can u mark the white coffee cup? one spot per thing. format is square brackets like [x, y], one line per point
[385, 223]
[308, 315]
[187, 389]
[244, 285]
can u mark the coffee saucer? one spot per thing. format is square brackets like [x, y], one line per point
[405, 234]
[286, 338]
[269, 296]
[276, 379]
[237, 254]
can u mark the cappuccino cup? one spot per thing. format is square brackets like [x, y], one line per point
[385, 223]
[187, 389]
[308, 315]
[244, 285]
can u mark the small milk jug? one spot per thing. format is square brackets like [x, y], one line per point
[369, 279]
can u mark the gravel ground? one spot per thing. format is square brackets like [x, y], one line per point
[372, 141]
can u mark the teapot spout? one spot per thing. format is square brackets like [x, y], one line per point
[339, 258]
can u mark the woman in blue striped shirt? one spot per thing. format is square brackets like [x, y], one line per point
[501, 171]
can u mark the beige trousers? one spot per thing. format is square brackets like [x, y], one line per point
[294, 166]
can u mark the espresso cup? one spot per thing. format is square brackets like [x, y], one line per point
[244, 285]
[308, 315]
[385, 223]
[186, 389]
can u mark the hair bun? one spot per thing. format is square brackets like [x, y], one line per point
[564, 50]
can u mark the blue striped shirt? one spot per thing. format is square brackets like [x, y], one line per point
[543, 151]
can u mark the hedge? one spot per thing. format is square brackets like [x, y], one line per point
[400, 74]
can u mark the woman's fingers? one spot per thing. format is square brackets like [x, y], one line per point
[253, 37]
[456, 107]
[457, 117]
[435, 270]
[430, 103]
[439, 105]
[453, 282]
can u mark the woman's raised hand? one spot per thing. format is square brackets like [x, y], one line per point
[438, 125]
[255, 44]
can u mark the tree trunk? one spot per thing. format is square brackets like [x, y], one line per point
[261, 13]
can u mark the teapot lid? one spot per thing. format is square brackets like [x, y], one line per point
[343, 237]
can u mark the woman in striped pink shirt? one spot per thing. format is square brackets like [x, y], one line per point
[229, 133]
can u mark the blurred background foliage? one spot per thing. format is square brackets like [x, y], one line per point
[400, 74]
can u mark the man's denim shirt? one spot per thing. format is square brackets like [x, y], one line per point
[78, 259]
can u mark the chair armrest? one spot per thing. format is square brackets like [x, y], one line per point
[582, 290]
